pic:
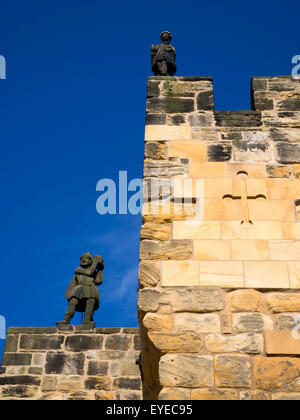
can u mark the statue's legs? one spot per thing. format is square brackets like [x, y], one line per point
[162, 68]
[89, 310]
[70, 311]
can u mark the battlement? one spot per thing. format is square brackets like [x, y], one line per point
[280, 94]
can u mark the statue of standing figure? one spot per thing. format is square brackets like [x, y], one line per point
[82, 293]
[163, 56]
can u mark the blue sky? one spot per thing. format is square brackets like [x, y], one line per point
[72, 112]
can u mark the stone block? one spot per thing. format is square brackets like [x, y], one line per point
[96, 367]
[238, 118]
[259, 230]
[205, 100]
[232, 371]
[207, 169]
[154, 231]
[161, 213]
[193, 150]
[241, 343]
[19, 391]
[20, 380]
[294, 271]
[107, 330]
[198, 299]
[245, 151]
[284, 396]
[284, 250]
[207, 250]
[222, 209]
[16, 359]
[156, 150]
[179, 273]
[164, 168]
[41, 342]
[155, 119]
[127, 383]
[78, 396]
[84, 342]
[221, 273]
[287, 321]
[296, 170]
[254, 170]
[201, 119]
[128, 395]
[217, 187]
[170, 105]
[219, 152]
[49, 383]
[153, 89]
[174, 343]
[192, 371]
[64, 364]
[199, 323]
[281, 342]
[271, 210]
[148, 300]
[129, 368]
[166, 132]
[69, 384]
[174, 394]
[291, 231]
[166, 250]
[266, 274]
[196, 229]
[103, 395]
[244, 301]
[290, 103]
[288, 152]
[250, 249]
[149, 273]
[283, 302]
[117, 342]
[251, 322]
[32, 330]
[214, 394]
[277, 373]
[278, 171]
[158, 322]
[288, 188]
[11, 343]
[177, 119]
[98, 383]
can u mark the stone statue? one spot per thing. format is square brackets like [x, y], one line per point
[163, 56]
[82, 293]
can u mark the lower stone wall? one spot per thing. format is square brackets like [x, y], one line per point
[71, 363]
[220, 344]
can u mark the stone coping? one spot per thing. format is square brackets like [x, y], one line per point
[72, 328]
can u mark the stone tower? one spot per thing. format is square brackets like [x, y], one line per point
[219, 297]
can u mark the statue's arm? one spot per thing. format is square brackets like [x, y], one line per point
[87, 271]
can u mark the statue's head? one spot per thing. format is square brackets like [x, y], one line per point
[166, 36]
[86, 260]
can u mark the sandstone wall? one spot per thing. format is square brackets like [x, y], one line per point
[71, 363]
[219, 277]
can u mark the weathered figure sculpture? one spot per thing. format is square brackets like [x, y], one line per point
[82, 293]
[163, 56]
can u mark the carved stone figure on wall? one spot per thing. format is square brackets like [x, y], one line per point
[163, 56]
[82, 293]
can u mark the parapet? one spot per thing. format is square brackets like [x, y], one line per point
[71, 363]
